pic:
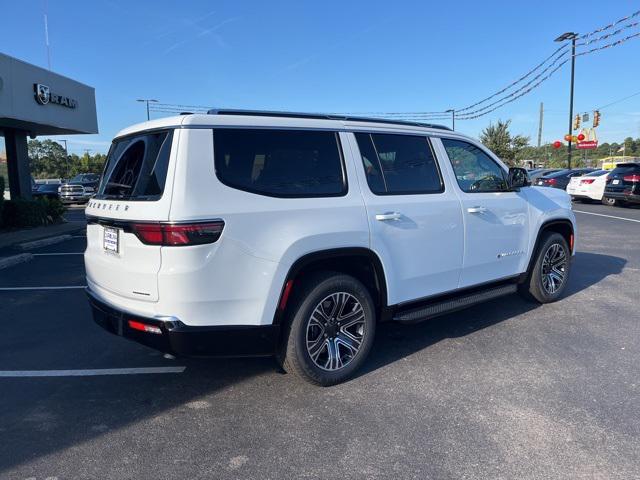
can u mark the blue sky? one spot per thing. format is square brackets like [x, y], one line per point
[330, 56]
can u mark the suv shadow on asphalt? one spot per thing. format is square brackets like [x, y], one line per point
[395, 341]
[78, 410]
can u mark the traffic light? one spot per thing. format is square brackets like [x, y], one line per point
[576, 122]
[596, 118]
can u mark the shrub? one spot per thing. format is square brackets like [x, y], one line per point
[31, 213]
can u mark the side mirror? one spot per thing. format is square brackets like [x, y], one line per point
[518, 177]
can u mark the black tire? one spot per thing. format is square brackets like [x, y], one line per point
[537, 287]
[317, 292]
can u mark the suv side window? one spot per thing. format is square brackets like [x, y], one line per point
[280, 163]
[475, 170]
[399, 164]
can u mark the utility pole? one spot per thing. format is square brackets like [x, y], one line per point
[453, 118]
[564, 37]
[147, 100]
[540, 124]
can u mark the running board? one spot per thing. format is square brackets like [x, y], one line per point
[452, 304]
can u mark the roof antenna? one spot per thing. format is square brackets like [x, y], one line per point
[46, 33]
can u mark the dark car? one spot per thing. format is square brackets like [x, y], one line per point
[561, 179]
[536, 174]
[623, 184]
[80, 188]
[47, 190]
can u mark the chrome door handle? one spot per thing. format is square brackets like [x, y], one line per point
[477, 209]
[382, 217]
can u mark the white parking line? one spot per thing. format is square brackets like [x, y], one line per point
[89, 373]
[11, 289]
[48, 254]
[608, 216]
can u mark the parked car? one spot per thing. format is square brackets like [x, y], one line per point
[79, 189]
[294, 235]
[533, 176]
[48, 190]
[561, 178]
[588, 187]
[623, 184]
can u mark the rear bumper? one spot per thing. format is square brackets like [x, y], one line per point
[626, 197]
[179, 339]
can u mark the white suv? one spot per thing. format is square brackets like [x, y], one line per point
[268, 233]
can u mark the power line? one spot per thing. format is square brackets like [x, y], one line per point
[522, 88]
[558, 50]
[609, 35]
[517, 96]
[611, 25]
[618, 101]
[609, 45]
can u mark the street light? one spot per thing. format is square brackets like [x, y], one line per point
[453, 118]
[563, 38]
[147, 100]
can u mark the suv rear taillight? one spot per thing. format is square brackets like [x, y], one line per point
[632, 178]
[587, 181]
[180, 234]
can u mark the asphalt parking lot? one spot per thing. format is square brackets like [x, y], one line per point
[506, 389]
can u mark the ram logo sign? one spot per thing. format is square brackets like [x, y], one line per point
[44, 96]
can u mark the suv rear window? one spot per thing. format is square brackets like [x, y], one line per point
[624, 168]
[136, 167]
[280, 163]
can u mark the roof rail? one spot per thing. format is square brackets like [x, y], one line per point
[320, 116]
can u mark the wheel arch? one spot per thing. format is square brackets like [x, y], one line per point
[359, 262]
[563, 226]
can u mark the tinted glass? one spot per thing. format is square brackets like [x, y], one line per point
[597, 173]
[561, 173]
[625, 168]
[280, 163]
[136, 167]
[371, 164]
[580, 172]
[475, 171]
[399, 164]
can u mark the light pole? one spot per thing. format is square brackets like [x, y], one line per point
[147, 100]
[563, 38]
[453, 118]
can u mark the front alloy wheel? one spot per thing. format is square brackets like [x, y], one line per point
[548, 275]
[554, 265]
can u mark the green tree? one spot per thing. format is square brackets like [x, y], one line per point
[500, 141]
[48, 159]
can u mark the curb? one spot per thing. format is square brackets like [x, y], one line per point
[43, 242]
[7, 262]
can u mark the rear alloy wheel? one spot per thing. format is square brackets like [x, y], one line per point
[612, 202]
[331, 331]
[549, 273]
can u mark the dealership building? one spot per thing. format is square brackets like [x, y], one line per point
[35, 101]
